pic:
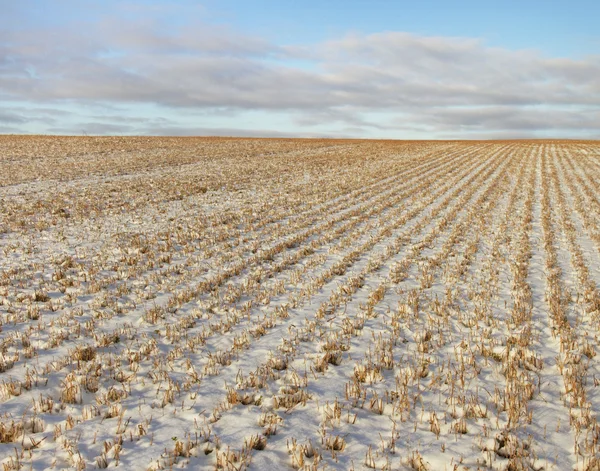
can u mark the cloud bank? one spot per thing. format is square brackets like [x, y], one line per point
[389, 84]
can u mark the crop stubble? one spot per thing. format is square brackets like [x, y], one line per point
[210, 303]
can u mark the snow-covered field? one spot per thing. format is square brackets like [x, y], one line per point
[188, 303]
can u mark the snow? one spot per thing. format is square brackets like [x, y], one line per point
[314, 304]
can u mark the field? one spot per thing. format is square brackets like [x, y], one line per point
[205, 303]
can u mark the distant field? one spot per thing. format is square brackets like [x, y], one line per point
[267, 304]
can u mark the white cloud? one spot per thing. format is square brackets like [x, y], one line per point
[433, 85]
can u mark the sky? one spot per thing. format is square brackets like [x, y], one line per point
[430, 69]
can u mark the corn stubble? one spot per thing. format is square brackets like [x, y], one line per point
[232, 304]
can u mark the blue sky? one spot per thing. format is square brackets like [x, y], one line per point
[554, 27]
[354, 68]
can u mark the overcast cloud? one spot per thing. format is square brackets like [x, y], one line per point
[390, 84]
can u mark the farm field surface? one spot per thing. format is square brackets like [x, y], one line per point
[267, 304]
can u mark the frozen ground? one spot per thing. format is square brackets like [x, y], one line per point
[199, 303]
